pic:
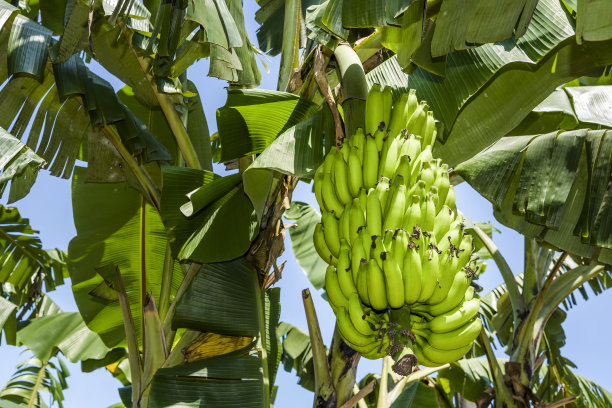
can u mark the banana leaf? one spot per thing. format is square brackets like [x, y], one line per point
[64, 331]
[115, 227]
[306, 217]
[222, 223]
[224, 298]
[553, 187]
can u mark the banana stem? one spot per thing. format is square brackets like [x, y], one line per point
[501, 392]
[343, 363]
[529, 274]
[174, 121]
[382, 388]
[409, 379]
[525, 334]
[324, 385]
[320, 62]
[193, 270]
[152, 192]
[360, 395]
[516, 300]
[354, 87]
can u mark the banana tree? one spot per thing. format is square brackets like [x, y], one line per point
[172, 264]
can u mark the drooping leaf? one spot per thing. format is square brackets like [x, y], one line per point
[155, 121]
[221, 299]
[593, 20]
[297, 354]
[64, 331]
[8, 320]
[224, 298]
[553, 187]
[249, 76]
[19, 165]
[469, 377]
[28, 47]
[306, 217]
[271, 17]
[472, 99]
[569, 108]
[252, 119]
[34, 382]
[24, 263]
[218, 381]
[220, 231]
[298, 151]
[115, 227]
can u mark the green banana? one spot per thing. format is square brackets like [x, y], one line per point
[440, 357]
[455, 318]
[321, 246]
[412, 216]
[377, 248]
[453, 236]
[379, 138]
[450, 199]
[402, 111]
[358, 315]
[411, 148]
[428, 213]
[374, 213]
[442, 222]
[357, 254]
[358, 142]
[344, 225]
[447, 270]
[404, 167]
[356, 220]
[362, 198]
[387, 98]
[400, 245]
[349, 332]
[415, 123]
[454, 297]
[417, 165]
[345, 277]
[355, 175]
[411, 274]
[382, 188]
[330, 199]
[387, 239]
[377, 293]
[332, 288]
[344, 151]
[362, 283]
[331, 232]
[396, 206]
[328, 162]
[318, 188]
[370, 163]
[422, 360]
[393, 280]
[429, 130]
[457, 338]
[429, 271]
[442, 182]
[428, 174]
[341, 181]
[374, 110]
[389, 158]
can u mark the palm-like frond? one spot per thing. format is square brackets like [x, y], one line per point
[34, 381]
[24, 264]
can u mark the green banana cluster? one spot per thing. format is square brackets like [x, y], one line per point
[400, 264]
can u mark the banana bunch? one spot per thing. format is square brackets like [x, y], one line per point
[400, 264]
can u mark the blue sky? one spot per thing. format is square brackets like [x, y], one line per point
[49, 209]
